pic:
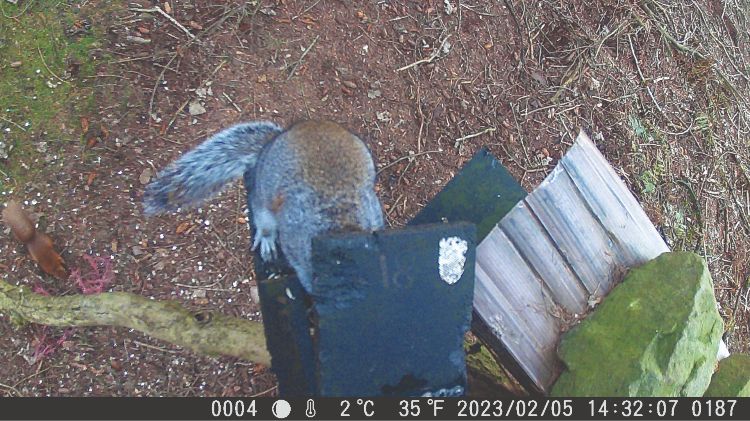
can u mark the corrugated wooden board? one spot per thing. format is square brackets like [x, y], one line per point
[564, 244]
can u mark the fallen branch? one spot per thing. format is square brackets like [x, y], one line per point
[204, 333]
[302, 57]
[410, 156]
[429, 59]
[12, 122]
[41, 56]
[643, 79]
[166, 15]
[467, 137]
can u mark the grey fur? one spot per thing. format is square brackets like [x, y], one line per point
[303, 212]
[203, 172]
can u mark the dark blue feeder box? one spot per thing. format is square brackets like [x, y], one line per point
[389, 310]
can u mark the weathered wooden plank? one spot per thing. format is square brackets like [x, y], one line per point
[609, 175]
[580, 238]
[504, 325]
[508, 273]
[537, 248]
[635, 238]
[570, 239]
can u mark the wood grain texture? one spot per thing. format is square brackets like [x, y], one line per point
[567, 242]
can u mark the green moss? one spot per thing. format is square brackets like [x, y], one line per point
[656, 334]
[33, 46]
[732, 379]
[486, 377]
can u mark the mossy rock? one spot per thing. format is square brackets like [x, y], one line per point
[656, 334]
[732, 379]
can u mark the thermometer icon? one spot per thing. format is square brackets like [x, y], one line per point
[310, 410]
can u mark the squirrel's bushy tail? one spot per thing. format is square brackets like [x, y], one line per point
[204, 171]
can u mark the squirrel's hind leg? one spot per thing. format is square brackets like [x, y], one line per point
[266, 232]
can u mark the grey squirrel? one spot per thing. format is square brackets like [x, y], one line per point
[316, 177]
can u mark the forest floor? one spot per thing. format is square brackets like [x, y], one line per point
[96, 98]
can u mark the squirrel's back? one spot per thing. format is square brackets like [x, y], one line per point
[325, 164]
[333, 159]
[313, 178]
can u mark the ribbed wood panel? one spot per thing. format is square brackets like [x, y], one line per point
[561, 247]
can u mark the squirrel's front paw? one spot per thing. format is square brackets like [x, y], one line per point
[266, 239]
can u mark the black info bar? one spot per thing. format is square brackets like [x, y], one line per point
[425, 408]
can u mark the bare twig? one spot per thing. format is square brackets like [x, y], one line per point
[305, 11]
[429, 59]
[156, 85]
[28, 4]
[643, 79]
[231, 101]
[47, 67]
[668, 36]
[187, 101]
[12, 122]
[302, 57]
[264, 392]
[467, 137]
[10, 389]
[166, 15]
[406, 157]
[174, 117]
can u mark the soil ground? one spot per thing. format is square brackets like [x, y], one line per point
[660, 87]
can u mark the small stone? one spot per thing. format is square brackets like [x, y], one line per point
[268, 11]
[449, 8]
[375, 93]
[16, 64]
[383, 116]
[196, 108]
[145, 176]
[138, 40]
[349, 84]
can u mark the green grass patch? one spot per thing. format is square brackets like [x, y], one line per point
[35, 105]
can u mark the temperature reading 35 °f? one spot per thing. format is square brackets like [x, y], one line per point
[412, 408]
[363, 406]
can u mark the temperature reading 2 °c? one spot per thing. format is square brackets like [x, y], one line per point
[365, 405]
